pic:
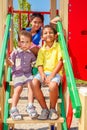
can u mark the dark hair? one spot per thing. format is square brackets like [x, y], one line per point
[36, 14]
[25, 33]
[51, 27]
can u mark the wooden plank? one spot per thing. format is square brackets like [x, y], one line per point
[27, 119]
[83, 97]
[24, 99]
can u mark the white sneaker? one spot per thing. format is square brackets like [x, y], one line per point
[44, 114]
[31, 111]
[14, 113]
[53, 115]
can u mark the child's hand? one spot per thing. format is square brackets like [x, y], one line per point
[43, 77]
[9, 62]
[55, 20]
[48, 79]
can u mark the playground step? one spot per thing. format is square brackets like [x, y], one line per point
[27, 119]
[24, 99]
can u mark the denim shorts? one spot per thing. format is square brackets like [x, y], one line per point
[56, 79]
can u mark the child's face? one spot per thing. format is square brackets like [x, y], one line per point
[24, 42]
[36, 23]
[48, 35]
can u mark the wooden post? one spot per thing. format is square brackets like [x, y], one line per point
[52, 9]
[3, 13]
[63, 12]
[10, 4]
[83, 98]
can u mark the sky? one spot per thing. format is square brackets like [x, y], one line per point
[38, 5]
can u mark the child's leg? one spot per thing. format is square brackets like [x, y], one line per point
[38, 93]
[16, 95]
[30, 93]
[30, 107]
[40, 97]
[53, 86]
[14, 113]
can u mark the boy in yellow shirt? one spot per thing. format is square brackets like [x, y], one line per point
[49, 63]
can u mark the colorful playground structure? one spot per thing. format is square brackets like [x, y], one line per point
[73, 45]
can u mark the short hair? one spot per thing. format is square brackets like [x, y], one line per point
[36, 14]
[25, 33]
[51, 27]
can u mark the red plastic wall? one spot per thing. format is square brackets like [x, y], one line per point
[77, 37]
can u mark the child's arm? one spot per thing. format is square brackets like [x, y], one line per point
[43, 76]
[55, 20]
[9, 61]
[57, 68]
[55, 71]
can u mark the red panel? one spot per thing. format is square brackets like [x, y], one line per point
[77, 40]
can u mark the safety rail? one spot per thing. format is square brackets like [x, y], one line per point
[7, 96]
[4, 47]
[73, 92]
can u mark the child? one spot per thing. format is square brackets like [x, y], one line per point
[20, 61]
[36, 22]
[49, 63]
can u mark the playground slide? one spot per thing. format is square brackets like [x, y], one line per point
[73, 92]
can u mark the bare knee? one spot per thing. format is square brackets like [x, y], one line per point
[53, 86]
[18, 90]
[35, 84]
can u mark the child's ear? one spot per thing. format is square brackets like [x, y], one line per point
[56, 36]
[42, 38]
[19, 44]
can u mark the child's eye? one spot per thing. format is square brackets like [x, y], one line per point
[51, 33]
[45, 33]
[24, 42]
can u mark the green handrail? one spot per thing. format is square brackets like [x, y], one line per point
[73, 92]
[7, 96]
[4, 45]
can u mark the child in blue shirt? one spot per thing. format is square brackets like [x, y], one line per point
[36, 22]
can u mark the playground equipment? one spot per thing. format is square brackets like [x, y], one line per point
[5, 77]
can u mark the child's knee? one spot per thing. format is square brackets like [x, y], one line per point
[35, 82]
[53, 86]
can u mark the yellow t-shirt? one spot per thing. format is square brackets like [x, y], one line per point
[49, 57]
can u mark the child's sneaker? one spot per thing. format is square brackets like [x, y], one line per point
[31, 111]
[44, 114]
[14, 113]
[53, 115]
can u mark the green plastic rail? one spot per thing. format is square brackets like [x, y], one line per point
[4, 46]
[73, 92]
[63, 113]
[7, 96]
